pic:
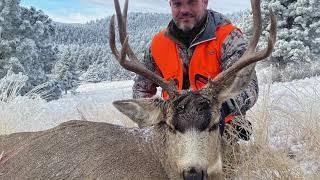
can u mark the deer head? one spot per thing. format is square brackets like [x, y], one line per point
[188, 122]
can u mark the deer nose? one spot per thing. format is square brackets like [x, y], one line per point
[194, 174]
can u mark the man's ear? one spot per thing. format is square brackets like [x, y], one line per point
[144, 112]
[206, 2]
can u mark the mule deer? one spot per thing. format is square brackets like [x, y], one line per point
[178, 139]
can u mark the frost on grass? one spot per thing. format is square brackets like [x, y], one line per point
[286, 122]
[92, 102]
[19, 113]
[10, 86]
[286, 139]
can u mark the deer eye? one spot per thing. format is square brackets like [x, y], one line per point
[180, 108]
[203, 106]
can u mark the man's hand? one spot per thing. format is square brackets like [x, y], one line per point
[241, 127]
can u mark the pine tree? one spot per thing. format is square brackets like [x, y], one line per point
[9, 17]
[298, 35]
[65, 71]
[25, 37]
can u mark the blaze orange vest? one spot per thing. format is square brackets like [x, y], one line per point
[204, 63]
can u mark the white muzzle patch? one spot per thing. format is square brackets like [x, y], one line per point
[193, 147]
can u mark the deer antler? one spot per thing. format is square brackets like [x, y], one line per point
[250, 56]
[133, 65]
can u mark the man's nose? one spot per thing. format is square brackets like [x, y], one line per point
[185, 9]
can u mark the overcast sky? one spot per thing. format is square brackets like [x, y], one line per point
[81, 11]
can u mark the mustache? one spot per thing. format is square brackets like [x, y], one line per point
[186, 14]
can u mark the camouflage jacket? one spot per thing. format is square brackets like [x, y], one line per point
[233, 48]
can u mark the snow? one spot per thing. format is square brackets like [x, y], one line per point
[292, 107]
[90, 101]
[98, 97]
[294, 119]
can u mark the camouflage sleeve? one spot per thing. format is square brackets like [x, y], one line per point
[142, 87]
[233, 48]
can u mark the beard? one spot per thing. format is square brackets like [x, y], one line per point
[185, 26]
[189, 23]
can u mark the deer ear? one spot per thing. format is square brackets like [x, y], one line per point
[144, 112]
[234, 85]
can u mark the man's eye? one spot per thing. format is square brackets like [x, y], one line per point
[176, 4]
[193, 2]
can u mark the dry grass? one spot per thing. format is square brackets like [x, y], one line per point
[285, 145]
[24, 114]
[107, 113]
[4, 128]
[286, 142]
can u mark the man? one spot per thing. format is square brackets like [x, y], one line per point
[198, 44]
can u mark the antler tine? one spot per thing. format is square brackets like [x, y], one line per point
[134, 65]
[122, 33]
[250, 56]
[112, 39]
[125, 14]
[257, 27]
[122, 24]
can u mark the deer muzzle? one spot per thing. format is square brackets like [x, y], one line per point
[195, 174]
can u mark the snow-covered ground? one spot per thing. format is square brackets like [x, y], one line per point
[290, 114]
[24, 114]
[90, 102]
[286, 115]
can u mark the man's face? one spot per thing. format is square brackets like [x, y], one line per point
[187, 13]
